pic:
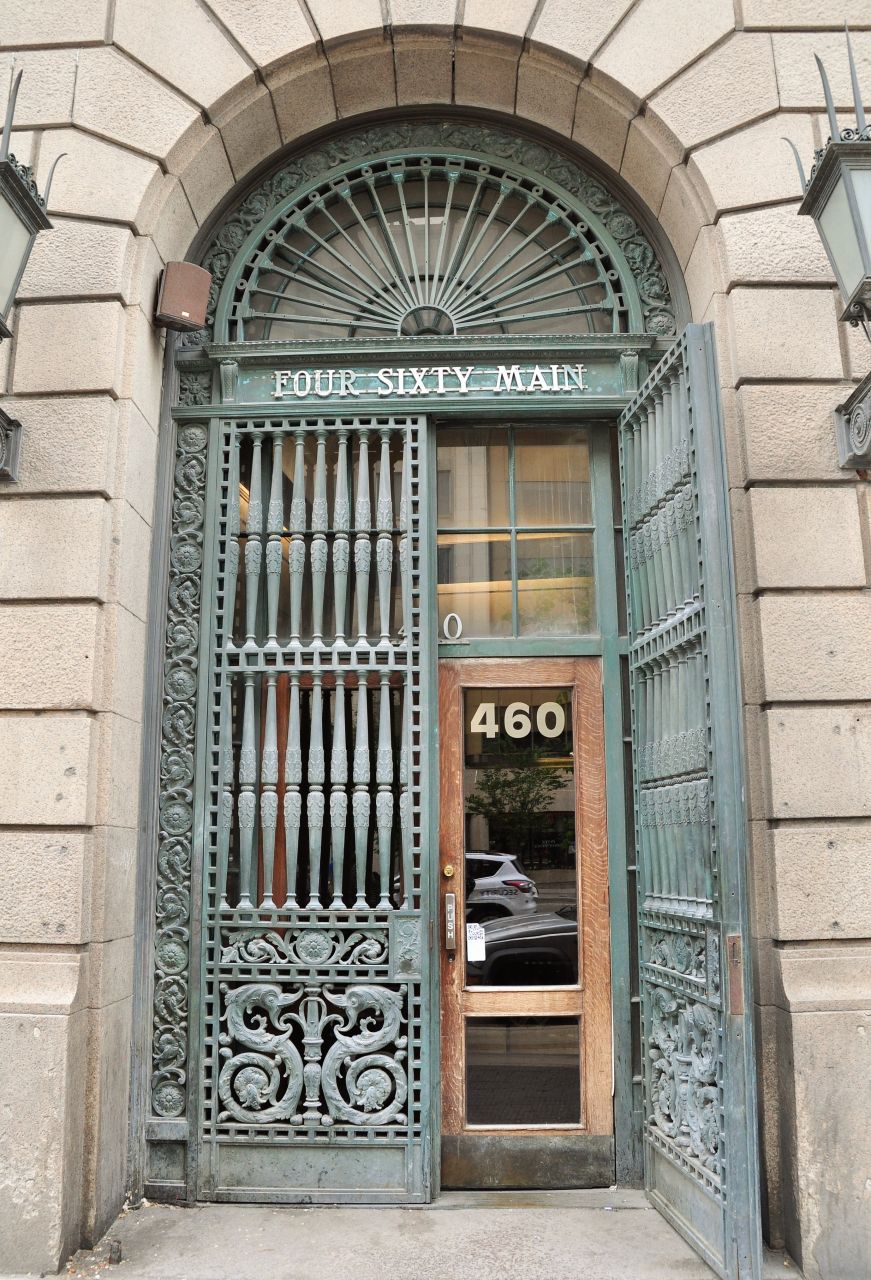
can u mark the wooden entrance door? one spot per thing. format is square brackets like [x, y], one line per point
[525, 965]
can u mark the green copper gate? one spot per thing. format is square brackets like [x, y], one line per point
[314, 815]
[700, 1124]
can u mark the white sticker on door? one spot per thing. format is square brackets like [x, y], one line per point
[476, 947]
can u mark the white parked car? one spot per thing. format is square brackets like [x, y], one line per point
[497, 885]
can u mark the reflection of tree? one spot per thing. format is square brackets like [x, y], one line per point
[517, 797]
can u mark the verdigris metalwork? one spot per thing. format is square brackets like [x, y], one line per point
[289, 198]
[170, 1040]
[700, 1165]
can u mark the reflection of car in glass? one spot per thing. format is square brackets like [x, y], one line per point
[533, 951]
[497, 885]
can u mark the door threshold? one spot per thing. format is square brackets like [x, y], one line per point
[608, 1199]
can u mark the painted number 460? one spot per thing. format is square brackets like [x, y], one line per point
[550, 720]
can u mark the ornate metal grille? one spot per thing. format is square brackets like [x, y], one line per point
[689, 818]
[315, 817]
[430, 245]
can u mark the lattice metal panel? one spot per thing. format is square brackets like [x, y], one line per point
[677, 824]
[315, 819]
[685, 712]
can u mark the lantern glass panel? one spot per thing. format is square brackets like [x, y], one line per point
[862, 191]
[15, 241]
[840, 236]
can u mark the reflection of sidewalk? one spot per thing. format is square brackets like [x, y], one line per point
[596, 1235]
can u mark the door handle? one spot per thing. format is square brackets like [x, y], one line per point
[450, 923]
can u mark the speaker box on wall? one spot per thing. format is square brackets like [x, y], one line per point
[183, 296]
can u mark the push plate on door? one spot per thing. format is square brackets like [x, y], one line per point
[450, 922]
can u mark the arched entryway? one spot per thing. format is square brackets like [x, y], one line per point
[397, 443]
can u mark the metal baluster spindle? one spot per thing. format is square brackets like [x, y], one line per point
[234, 525]
[384, 545]
[316, 803]
[226, 824]
[362, 541]
[338, 794]
[274, 531]
[384, 796]
[683, 886]
[296, 553]
[405, 798]
[254, 543]
[360, 802]
[674, 850]
[655, 735]
[269, 790]
[320, 523]
[292, 795]
[247, 794]
[341, 543]
[404, 567]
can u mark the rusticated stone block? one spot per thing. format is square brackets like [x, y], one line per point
[807, 538]
[821, 881]
[820, 761]
[54, 548]
[48, 777]
[46, 887]
[815, 647]
[63, 670]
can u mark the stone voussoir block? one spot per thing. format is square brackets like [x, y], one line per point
[424, 67]
[199, 59]
[54, 22]
[485, 71]
[96, 178]
[659, 38]
[122, 100]
[577, 27]
[730, 86]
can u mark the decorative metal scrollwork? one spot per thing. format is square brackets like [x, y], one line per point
[360, 1079]
[683, 1054]
[347, 226]
[307, 948]
[172, 905]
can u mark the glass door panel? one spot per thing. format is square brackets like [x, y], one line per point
[526, 1027]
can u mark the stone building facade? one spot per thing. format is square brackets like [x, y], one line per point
[167, 113]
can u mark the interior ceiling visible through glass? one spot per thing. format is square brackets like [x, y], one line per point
[432, 246]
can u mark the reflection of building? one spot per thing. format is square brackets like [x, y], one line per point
[634, 162]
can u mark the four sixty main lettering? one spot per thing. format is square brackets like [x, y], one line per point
[438, 380]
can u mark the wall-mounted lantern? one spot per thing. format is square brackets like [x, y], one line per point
[838, 198]
[22, 216]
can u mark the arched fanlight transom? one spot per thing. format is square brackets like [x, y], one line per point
[430, 245]
[444, 230]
